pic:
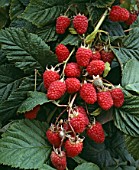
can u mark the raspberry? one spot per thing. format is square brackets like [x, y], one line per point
[72, 85]
[132, 18]
[88, 93]
[62, 52]
[59, 160]
[117, 96]
[62, 23]
[96, 132]
[53, 137]
[72, 70]
[77, 121]
[105, 100]
[107, 56]
[81, 110]
[73, 148]
[96, 55]
[80, 23]
[50, 76]
[118, 14]
[32, 113]
[83, 56]
[56, 90]
[96, 67]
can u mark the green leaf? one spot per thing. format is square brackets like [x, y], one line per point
[46, 167]
[132, 146]
[34, 98]
[129, 47]
[79, 160]
[42, 13]
[9, 107]
[23, 24]
[107, 69]
[126, 118]
[130, 78]
[24, 2]
[4, 3]
[16, 8]
[26, 50]
[113, 28]
[10, 79]
[3, 17]
[48, 33]
[71, 40]
[24, 145]
[87, 166]
[72, 31]
[103, 4]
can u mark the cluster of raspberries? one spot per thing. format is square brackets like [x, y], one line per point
[61, 135]
[81, 76]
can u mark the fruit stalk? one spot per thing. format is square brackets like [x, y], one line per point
[90, 38]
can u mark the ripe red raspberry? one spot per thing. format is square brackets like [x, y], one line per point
[96, 132]
[117, 96]
[72, 85]
[96, 55]
[95, 67]
[72, 70]
[59, 160]
[53, 137]
[32, 113]
[132, 18]
[118, 14]
[83, 56]
[78, 121]
[73, 147]
[105, 100]
[62, 52]
[81, 110]
[80, 23]
[107, 56]
[50, 76]
[62, 23]
[56, 90]
[88, 93]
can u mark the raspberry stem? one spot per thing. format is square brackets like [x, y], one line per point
[90, 38]
[65, 62]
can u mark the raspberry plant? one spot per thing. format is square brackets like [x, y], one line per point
[69, 84]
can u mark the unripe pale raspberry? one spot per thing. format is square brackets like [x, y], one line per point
[117, 96]
[62, 52]
[72, 70]
[80, 23]
[96, 55]
[78, 122]
[50, 76]
[107, 56]
[73, 148]
[32, 114]
[118, 14]
[96, 132]
[95, 67]
[105, 100]
[132, 18]
[88, 93]
[59, 160]
[53, 137]
[72, 85]
[56, 90]
[83, 56]
[62, 23]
